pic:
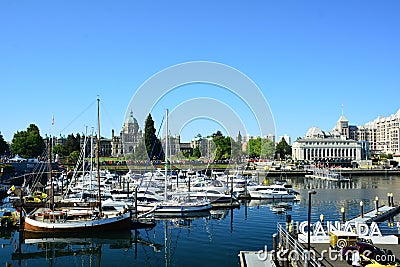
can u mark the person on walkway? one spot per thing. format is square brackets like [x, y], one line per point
[356, 259]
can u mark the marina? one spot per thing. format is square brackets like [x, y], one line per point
[262, 134]
[228, 231]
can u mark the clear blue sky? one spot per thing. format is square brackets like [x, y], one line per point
[307, 57]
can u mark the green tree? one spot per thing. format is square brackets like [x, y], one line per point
[196, 152]
[153, 144]
[60, 150]
[140, 152]
[28, 143]
[254, 147]
[186, 154]
[283, 149]
[72, 143]
[3, 145]
[260, 148]
[223, 146]
[73, 157]
[267, 148]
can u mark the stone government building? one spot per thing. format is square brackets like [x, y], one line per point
[131, 136]
[347, 143]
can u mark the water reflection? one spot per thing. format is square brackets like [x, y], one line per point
[357, 182]
[87, 249]
[276, 206]
[215, 238]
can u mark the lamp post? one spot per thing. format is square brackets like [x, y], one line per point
[309, 218]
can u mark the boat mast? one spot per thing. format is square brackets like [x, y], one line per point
[83, 161]
[91, 160]
[50, 176]
[166, 154]
[98, 154]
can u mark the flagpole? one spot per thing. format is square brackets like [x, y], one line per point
[52, 137]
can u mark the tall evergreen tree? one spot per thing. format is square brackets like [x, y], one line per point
[223, 145]
[140, 152]
[196, 152]
[152, 143]
[72, 143]
[3, 146]
[283, 149]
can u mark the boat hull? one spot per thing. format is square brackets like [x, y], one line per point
[107, 224]
[181, 210]
[261, 195]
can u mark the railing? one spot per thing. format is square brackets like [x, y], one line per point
[292, 251]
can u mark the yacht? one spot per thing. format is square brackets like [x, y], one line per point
[275, 191]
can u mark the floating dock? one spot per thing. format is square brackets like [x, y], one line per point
[382, 214]
[256, 259]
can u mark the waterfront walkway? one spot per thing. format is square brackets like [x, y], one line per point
[333, 258]
[321, 253]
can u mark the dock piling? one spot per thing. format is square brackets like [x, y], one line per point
[392, 199]
[377, 204]
[274, 246]
[343, 215]
[361, 209]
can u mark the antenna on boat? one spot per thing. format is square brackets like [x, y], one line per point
[98, 154]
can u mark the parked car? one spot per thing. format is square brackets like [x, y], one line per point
[373, 263]
[40, 195]
[370, 253]
[8, 218]
[32, 199]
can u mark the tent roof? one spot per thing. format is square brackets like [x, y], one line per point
[17, 158]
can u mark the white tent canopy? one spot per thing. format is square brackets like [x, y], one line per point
[17, 158]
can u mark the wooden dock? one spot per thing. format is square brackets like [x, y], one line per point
[256, 259]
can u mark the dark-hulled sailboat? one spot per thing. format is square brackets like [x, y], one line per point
[51, 221]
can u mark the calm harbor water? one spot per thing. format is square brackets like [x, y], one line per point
[213, 240]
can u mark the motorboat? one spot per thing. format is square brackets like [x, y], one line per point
[275, 191]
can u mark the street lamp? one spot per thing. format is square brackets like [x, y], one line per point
[309, 219]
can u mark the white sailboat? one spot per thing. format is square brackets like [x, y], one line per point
[179, 205]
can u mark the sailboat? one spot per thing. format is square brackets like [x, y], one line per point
[53, 221]
[178, 205]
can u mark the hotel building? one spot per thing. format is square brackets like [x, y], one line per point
[346, 143]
